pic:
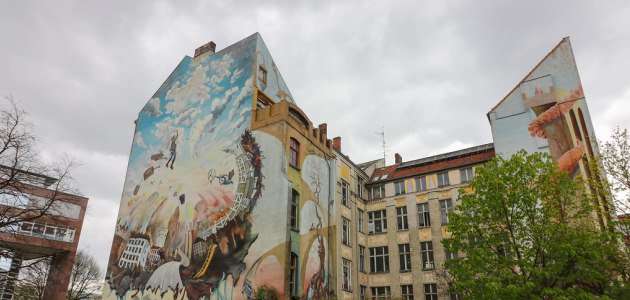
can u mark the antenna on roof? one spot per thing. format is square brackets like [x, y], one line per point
[382, 134]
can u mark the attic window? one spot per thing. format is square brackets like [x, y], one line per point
[384, 177]
[376, 178]
[262, 74]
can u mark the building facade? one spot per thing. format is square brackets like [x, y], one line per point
[231, 189]
[41, 221]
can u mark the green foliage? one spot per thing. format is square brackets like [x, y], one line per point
[528, 232]
[267, 292]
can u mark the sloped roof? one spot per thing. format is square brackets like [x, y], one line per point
[431, 164]
[566, 39]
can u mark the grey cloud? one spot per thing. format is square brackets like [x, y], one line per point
[428, 72]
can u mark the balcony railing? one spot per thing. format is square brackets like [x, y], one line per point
[42, 230]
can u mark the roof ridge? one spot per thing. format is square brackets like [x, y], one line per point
[530, 72]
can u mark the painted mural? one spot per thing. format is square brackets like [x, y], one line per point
[547, 112]
[195, 174]
[202, 212]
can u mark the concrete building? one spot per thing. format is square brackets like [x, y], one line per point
[55, 234]
[236, 189]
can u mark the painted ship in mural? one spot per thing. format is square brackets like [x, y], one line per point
[192, 221]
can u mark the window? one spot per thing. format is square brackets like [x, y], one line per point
[293, 276]
[426, 251]
[442, 179]
[262, 74]
[401, 218]
[379, 259]
[430, 292]
[446, 207]
[421, 184]
[360, 187]
[361, 259]
[360, 220]
[344, 193]
[295, 153]
[381, 293]
[295, 200]
[407, 292]
[424, 220]
[362, 291]
[466, 174]
[345, 231]
[376, 192]
[377, 221]
[346, 281]
[399, 187]
[451, 255]
[405, 257]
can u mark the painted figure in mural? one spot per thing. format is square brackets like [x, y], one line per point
[317, 285]
[173, 150]
[550, 124]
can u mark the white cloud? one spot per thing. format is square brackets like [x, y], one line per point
[236, 75]
[138, 140]
[218, 105]
[153, 108]
[192, 92]
[199, 130]
[238, 101]
[221, 68]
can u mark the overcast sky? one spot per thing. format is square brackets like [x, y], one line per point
[426, 71]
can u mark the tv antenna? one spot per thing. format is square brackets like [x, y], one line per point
[382, 134]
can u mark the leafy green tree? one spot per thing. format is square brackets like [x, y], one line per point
[528, 232]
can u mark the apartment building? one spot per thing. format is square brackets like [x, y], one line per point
[231, 188]
[40, 221]
[392, 226]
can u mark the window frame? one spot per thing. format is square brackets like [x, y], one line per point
[399, 187]
[294, 153]
[362, 259]
[421, 183]
[377, 294]
[430, 291]
[446, 207]
[345, 231]
[426, 254]
[294, 221]
[293, 274]
[404, 256]
[346, 275]
[360, 187]
[360, 220]
[345, 193]
[406, 291]
[402, 222]
[373, 220]
[381, 192]
[375, 257]
[262, 71]
[465, 176]
[444, 179]
[424, 215]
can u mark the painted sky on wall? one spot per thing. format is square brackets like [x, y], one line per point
[429, 72]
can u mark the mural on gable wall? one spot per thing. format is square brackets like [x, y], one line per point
[547, 112]
[198, 217]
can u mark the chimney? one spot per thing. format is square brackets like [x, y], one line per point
[337, 143]
[398, 158]
[323, 129]
[211, 46]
